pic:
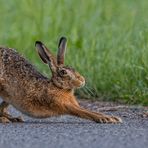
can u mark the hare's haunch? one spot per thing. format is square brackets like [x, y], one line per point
[22, 86]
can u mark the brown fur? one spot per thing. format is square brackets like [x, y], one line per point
[22, 86]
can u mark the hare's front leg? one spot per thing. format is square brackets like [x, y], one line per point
[5, 117]
[97, 117]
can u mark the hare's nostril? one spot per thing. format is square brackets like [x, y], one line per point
[82, 79]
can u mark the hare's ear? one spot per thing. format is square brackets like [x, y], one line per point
[61, 50]
[46, 55]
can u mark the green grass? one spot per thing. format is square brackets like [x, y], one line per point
[107, 41]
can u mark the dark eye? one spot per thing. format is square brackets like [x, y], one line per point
[62, 72]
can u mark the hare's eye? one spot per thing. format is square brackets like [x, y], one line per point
[62, 72]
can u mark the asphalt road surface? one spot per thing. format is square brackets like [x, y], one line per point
[72, 132]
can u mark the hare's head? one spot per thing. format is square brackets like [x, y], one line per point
[63, 76]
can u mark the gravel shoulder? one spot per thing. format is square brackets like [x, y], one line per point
[68, 131]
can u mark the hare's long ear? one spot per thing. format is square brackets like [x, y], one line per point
[46, 55]
[61, 50]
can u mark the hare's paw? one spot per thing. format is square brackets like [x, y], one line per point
[16, 119]
[117, 119]
[4, 120]
[109, 119]
[9, 119]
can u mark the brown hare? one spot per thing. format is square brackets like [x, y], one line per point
[22, 86]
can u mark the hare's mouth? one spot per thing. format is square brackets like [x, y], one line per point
[83, 84]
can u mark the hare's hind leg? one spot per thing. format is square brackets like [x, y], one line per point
[5, 117]
[97, 117]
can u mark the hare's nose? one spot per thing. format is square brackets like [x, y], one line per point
[80, 78]
[82, 81]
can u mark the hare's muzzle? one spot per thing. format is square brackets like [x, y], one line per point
[80, 82]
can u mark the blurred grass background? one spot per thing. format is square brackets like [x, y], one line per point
[107, 41]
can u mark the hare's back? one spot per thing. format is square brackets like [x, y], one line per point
[13, 65]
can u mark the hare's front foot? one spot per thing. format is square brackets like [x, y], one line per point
[108, 119]
[5, 117]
